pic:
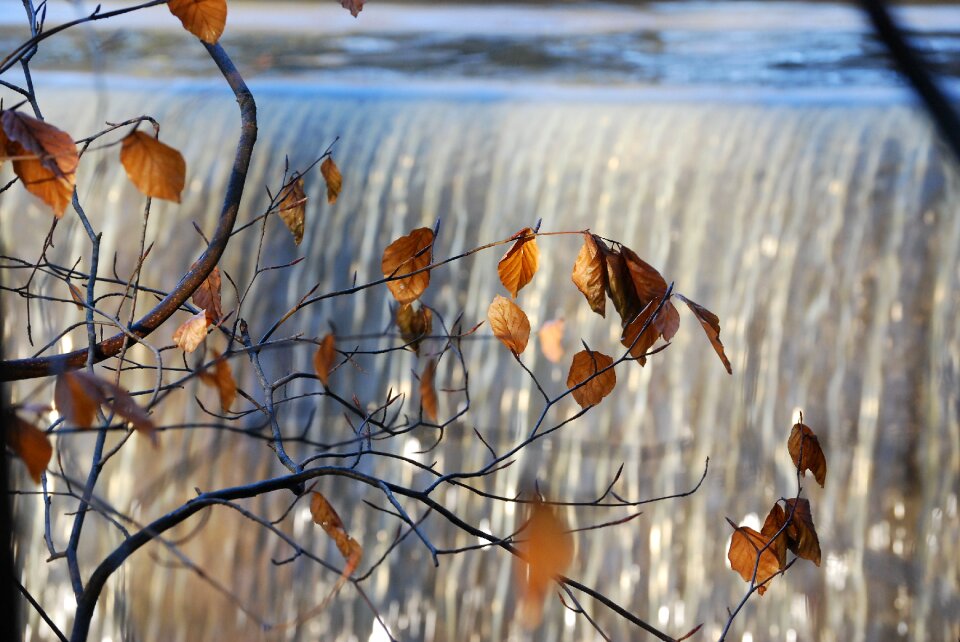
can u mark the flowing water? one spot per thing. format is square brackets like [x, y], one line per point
[824, 233]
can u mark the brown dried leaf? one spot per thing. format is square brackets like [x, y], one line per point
[355, 6]
[428, 391]
[648, 283]
[620, 285]
[546, 549]
[775, 520]
[551, 340]
[745, 546]
[76, 295]
[333, 177]
[711, 326]
[77, 398]
[124, 405]
[640, 346]
[55, 191]
[586, 364]
[405, 255]
[519, 264]
[590, 274]
[324, 358]
[54, 149]
[207, 296]
[205, 19]
[801, 533]
[221, 379]
[292, 208]
[31, 444]
[509, 324]
[156, 169]
[192, 332]
[414, 323]
[812, 458]
[325, 515]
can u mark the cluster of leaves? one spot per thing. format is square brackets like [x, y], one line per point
[760, 556]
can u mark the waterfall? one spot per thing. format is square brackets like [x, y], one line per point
[825, 236]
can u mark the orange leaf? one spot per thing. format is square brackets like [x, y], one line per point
[205, 19]
[207, 296]
[77, 398]
[519, 264]
[711, 325]
[156, 169]
[53, 149]
[323, 359]
[547, 551]
[192, 332]
[414, 324]
[811, 458]
[428, 391]
[76, 295]
[744, 551]
[405, 255]
[509, 324]
[775, 520]
[31, 444]
[292, 208]
[221, 379]
[325, 515]
[331, 174]
[801, 534]
[355, 6]
[551, 340]
[590, 275]
[586, 364]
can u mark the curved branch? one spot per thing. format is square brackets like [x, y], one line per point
[18, 369]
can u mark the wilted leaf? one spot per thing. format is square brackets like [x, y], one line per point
[509, 324]
[775, 520]
[586, 364]
[324, 358]
[711, 325]
[292, 208]
[221, 379]
[812, 458]
[355, 6]
[414, 324]
[77, 397]
[331, 174]
[801, 534]
[205, 19]
[745, 547]
[76, 295]
[324, 515]
[30, 444]
[640, 346]
[590, 275]
[519, 264]
[156, 169]
[551, 340]
[546, 549]
[620, 285]
[124, 405]
[192, 332]
[648, 283]
[405, 255]
[428, 391]
[207, 296]
[54, 149]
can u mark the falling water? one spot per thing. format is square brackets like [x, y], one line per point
[825, 236]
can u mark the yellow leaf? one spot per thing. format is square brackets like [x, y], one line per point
[31, 444]
[428, 391]
[812, 457]
[156, 169]
[551, 340]
[205, 19]
[405, 255]
[331, 174]
[546, 548]
[587, 364]
[292, 208]
[192, 332]
[519, 264]
[323, 359]
[509, 324]
[590, 274]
